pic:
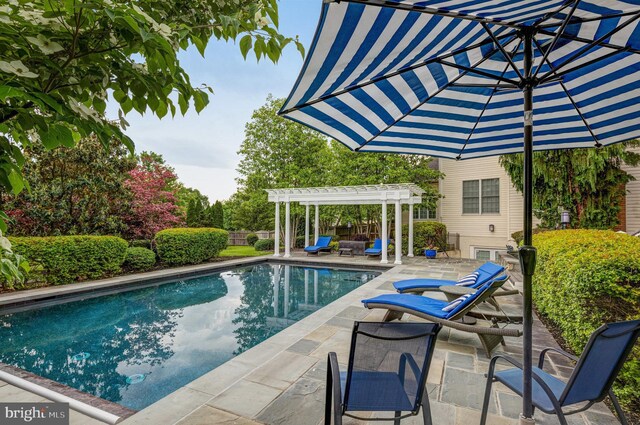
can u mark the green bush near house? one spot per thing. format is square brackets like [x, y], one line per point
[252, 238]
[585, 278]
[139, 259]
[64, 259]
[519, 235]
[264, 245]
[425, 234]
[182, 246]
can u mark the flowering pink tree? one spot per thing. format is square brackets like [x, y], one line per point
[154, 202]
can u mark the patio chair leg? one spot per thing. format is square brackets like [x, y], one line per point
[561, 418]
[618, 409]
[327, 399]
[392, 315]
[397, 421]
[489, 342]
[426, 409]
[487, 395]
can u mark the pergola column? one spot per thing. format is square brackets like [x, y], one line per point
[287, 229]
[410, 250]
[383, 236]
[316, 222]
[398, 233]
[276, 245]
[306, 225]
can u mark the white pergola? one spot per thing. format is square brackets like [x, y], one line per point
[383, 194]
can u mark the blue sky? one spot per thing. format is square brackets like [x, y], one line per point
[202, 148]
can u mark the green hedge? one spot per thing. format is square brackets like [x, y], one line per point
[264, 245]
[65, 259]
[585, 278]
[518, 236]
[139, 259]
[190, 245]
[425, 233]
[252, 238]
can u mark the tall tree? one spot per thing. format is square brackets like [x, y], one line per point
[217, 215]
[61, 60]
[153, 207]
[73, 191]
[276, 153]
[589, 183]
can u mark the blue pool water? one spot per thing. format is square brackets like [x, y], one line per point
[135, 347]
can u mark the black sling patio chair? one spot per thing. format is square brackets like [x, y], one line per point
[591, 380]
[387, 372]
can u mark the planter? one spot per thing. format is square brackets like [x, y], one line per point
[430, 253]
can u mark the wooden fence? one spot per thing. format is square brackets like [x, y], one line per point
[240, 237]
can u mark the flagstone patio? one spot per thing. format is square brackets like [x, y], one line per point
[281, 381]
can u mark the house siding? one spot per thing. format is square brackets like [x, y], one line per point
[632, 201]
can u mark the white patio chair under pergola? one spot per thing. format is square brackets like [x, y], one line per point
[383, 194]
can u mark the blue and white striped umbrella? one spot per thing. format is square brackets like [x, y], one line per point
[470, 78]
[420, 77]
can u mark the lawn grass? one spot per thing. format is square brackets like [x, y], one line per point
[242, 251]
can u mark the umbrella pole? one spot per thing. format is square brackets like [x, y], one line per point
[527, 251]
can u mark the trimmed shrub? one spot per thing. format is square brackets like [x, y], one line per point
[65, 259]
[252, 238]
[585, 278]
[425, 234]
[360, 238]
[182, 246]
[519, 235]
[140, 243]
[264, 245]
[139, 259]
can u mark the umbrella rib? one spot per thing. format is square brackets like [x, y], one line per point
[555, 38]
[504, 53]
[495, 89]
[392, 74]
[478, 72]
[575, 105]
[428, 98]
[589, 46]
[426, 10]
[587, 41]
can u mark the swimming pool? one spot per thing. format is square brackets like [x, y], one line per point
[135, 347]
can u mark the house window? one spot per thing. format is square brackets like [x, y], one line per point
[422, 213]
[481, 196]
[485, 254]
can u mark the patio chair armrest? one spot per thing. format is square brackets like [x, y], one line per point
[557, 351]
[408, 358]
[333, 388]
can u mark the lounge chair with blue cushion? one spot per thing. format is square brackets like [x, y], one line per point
[376, 249]
[322, 244]
[448, 313]
[387, 372]
[476, 279]
[591, 380]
